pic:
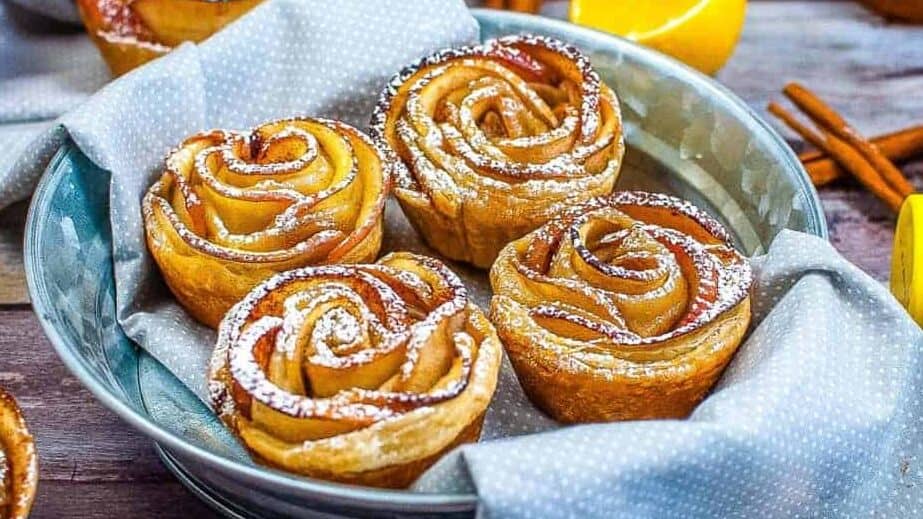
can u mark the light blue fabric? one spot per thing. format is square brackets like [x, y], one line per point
[46, 68]
[61, 10]
[818, 415]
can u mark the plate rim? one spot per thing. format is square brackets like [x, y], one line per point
[335, 493]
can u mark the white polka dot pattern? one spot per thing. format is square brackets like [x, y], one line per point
[818, 415]
[45, 72]
[319, 58]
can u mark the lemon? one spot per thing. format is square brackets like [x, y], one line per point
[907, 258]
[701, 33]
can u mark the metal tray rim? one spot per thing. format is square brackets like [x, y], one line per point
[794, 168]
[345, 495]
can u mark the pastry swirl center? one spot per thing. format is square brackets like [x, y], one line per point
[350, 344]
[624, 280]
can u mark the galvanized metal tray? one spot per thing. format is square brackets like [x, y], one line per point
[686, 135]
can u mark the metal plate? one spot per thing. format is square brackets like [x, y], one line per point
[687, 135]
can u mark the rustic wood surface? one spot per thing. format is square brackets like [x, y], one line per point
[93, 465]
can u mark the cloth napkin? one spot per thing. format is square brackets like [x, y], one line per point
[60, 10]
[818, 414]
[46, 68]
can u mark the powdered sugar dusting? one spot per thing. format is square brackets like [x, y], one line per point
[18, 458]
[649, 253]
[215, 174]
[438, 135]
[344, 318]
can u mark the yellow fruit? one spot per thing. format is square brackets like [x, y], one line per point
[907, 258]
[701, 33]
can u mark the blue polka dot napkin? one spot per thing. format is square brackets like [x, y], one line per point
[46, 68]
[819, 414]
[58, 10]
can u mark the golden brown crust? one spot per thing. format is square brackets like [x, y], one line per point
[130, 33]
[899, 9]
[363, 374]
[628, 307]
[496, 138]
[582, 396]
[19, 463]
[233, 209]
[398, 475]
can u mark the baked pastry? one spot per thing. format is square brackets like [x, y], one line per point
[627, 307]
[18, 461]
[527, 6]
[361, 374]
[898, 9]
[130, 33]
[232, 209]
[498, 138]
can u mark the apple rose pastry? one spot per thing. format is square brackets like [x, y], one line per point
[130, 33]
[497, 139]
[232, 209]
[626, 307]
[361, 374]
[18, 461]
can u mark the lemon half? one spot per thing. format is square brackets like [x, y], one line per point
[907, 258]
[701, 33]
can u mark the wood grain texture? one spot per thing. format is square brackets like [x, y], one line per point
[12, 278]
[104, 500]
[865, 67]
[869, 70]
[91, 463]
[95, 466]
[861, 227]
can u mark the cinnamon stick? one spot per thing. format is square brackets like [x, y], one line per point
[835, 126]
[850, 158]
[896, 146]
[527, 6]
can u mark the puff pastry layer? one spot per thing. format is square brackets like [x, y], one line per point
[232, 209]
[626, 307]
[496, 139]
[361, 374]
[18, 461]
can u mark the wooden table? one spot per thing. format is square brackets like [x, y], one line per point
[93, 465]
